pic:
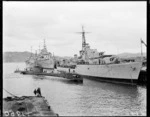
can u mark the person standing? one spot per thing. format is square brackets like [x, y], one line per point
[39, 92]
[35, 92]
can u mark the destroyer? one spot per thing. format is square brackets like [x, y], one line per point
[96, 65]
[42, 62]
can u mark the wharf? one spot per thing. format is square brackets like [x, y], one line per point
[71, 76]
[27, 106]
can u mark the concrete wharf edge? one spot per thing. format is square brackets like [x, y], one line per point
[27, 105]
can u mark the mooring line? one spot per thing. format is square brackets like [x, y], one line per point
[10, 93]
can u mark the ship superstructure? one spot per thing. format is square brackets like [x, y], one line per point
[45, 59]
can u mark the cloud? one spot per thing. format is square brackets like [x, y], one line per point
[112, 25]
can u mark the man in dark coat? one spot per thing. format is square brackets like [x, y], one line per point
[35, 91]
[39, 92]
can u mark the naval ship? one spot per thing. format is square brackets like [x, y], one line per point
[41, 62]
[97, 65]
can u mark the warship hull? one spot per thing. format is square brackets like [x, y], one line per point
[30, 65]
[126, 72]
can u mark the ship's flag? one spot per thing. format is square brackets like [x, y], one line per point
[142, 41]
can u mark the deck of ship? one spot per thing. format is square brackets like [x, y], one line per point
[70, 76]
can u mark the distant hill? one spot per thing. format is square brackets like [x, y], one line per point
[15, 56]
[128, 55]
[22, 56]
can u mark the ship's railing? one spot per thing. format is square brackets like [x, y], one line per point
[101, 62]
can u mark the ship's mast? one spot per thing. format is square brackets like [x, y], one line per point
[31, 51]
[84, 43]
[44, 46]
[39, 49]
[83, 39]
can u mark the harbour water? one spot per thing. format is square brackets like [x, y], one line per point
[92, 98]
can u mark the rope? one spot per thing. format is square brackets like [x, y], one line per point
[9, 92]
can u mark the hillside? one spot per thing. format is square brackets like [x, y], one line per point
[128, 55]
[15, 56]
[22, 56]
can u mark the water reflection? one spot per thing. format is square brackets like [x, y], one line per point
[38, 77]
[55, 79]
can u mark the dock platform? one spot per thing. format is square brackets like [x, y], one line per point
[27, 106]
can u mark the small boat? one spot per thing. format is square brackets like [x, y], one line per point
[17, 70]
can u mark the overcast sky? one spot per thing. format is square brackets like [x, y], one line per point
[115, 27]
